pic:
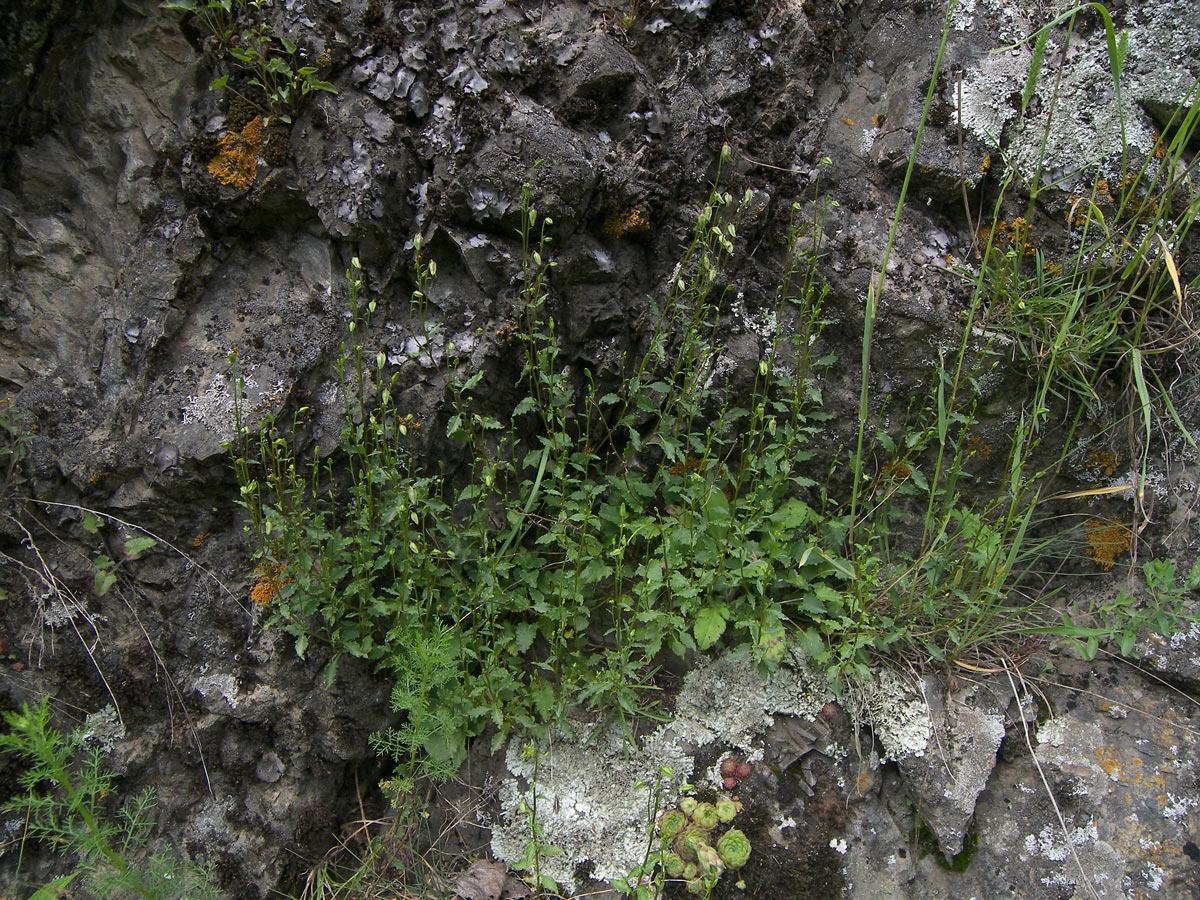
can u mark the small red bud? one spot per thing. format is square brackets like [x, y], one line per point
[728, 767]
[829, 710]
[730, 783]
[744, 769]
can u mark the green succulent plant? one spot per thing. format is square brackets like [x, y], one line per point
[671, 823]
[674, 865]
[726, 810]
[734, 848]
[688, 805]
[705, 815]
[689, 840]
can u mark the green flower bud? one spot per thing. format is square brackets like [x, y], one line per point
[709, 860]
[734, 848]
[705, 815]
[726, 810]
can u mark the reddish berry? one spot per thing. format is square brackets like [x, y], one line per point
[730, 783]
[728, 767]
[829, 710]
[744, 769]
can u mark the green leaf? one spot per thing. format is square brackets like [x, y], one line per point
[287, 44]
[525, 635]
[218, 82]
[104, 579]
[90, 523]
[52, 890]
[919, 480]
[134, 547]
[709, 626]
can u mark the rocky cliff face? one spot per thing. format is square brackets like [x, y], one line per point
[139, 249]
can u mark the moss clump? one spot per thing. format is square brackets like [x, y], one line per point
[277, 148]
[241, 112]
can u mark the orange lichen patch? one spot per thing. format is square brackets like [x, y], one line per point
[896, 471]
[507, 331]
[846, 121]
[976, 448]
[631, 220]
[266, 587]
[198, 540]
[875, 120]
[1109, 763]
[985, 164]
[236, 162]
[1016, 233]
[1106, 539]
[1102, 462]
[1077, 210]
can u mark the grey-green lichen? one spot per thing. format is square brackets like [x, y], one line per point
[898, 715]
[594, 793]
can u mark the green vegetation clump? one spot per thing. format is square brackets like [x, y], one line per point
[599, 527]
[66, 805]
[271, 64]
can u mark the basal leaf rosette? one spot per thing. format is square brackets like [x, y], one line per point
[705, 815]
[670, 824]
[687, 842]
[734, 848]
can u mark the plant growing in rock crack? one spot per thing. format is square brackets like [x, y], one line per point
[932, 567]
[67, 804]
[592, 530]
[271, 63]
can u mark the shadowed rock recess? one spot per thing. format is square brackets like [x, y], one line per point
[152, 226]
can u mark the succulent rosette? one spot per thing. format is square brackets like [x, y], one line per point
[688, 805]
[686, 843]
[734, 848]
[726, 810]
[705, 815]
[674, 865]
[671, 823]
